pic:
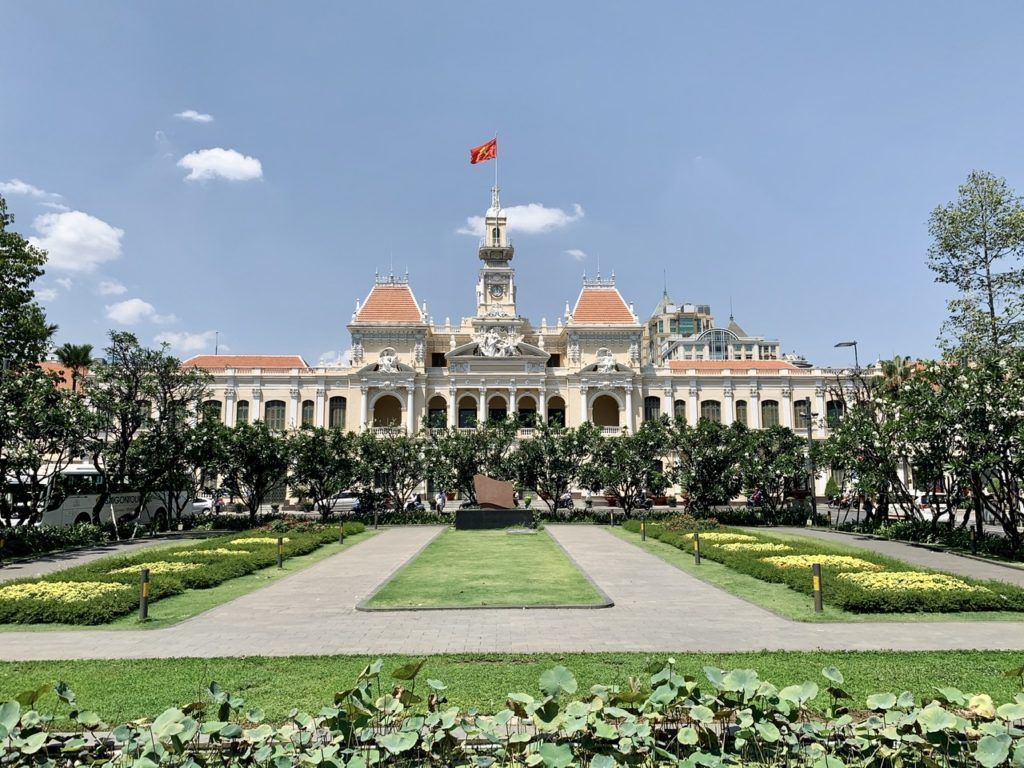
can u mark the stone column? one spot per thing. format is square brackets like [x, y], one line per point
[584, 413]
[229, 406]
[257, 405]
[668, 402]
[481, 408]
[364, 408]
[728, 408]
[542, 405]
[453, 413]
[293, 408]
[513, 406]
[754, 408]
[410, 413]
[787, 407]
[318, 418]
[694, 408]
[630, 425]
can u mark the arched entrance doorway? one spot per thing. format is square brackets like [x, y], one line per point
[467, 412]
[387, 411]
[497, 408]
[437, 413]
[605, 411]
[556, 411]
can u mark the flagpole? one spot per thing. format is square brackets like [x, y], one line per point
[495, 160]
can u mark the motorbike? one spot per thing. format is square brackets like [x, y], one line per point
[565, 502]
[414, 505]
[642, 502]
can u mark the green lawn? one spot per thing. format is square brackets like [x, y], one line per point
[127, 689]
[492, 568]
[779, 598]
[192, 602]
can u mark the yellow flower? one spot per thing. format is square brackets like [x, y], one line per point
[217, 551]
[724, 537]
[258, 540]
[841, 562]
[759, 546]
[160, 566]
[64, 591]
[911, 580]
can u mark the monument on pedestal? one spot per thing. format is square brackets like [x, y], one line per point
[496, 506]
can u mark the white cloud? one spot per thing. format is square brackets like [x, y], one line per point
[65, 283]
[333, 358]
[76, 241]
[110, 288]
[134, 311]
[56, 206]
[19, 187]
[530, 219]
[220, 163]
[46, 294]
[577, 254]
[185, 342]
[194, 117]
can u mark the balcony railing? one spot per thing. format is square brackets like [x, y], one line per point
[387, 431]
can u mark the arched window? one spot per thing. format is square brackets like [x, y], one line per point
[718, 341]
[556, 411]
[387, 412]
[307, 413]
[242, 412]
[679, 409]
[527, 411]
[652, 408]
[497, 408]
[741, 412]
[467, 412]
[495, 236]
[770, 413]
[211, 409]
[437, 413]
[605, 409]
[711, 410]
[274, 414]
[336, 412]
[833, 413]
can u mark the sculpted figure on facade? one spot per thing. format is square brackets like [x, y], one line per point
[498, 342]
[387, 362]
[605, 361]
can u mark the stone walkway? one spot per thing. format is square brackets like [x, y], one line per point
[908, 553]
[58, 561]
[658, 608]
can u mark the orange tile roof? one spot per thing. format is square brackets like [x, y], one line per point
[602, 305]
[52, 366]
[220, 362]
[734, 365]
[390, 303]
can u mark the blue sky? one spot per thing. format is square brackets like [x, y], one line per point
[781, 155]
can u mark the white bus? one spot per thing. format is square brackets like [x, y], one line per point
[71, 495]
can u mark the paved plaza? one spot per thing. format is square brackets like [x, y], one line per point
[657, 608]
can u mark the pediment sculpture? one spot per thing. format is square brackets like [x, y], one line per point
[387, 362]
[605, 361]
[496, 341]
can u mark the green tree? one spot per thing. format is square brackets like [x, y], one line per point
[391, 466]
[977, 245]
[775, 462]
[553, 460]
[76, 358]
[707, 463]
[24, 333]
[455, 456]
[324, 462]
[254, 462]
[630, 466]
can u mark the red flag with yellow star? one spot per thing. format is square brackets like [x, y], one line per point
[484, 152]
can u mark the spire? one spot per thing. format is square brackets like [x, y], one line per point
[495, 200]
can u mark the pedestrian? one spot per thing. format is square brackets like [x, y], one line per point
[440, 500]
[515, 498]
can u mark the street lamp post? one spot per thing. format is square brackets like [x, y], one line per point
[856, 359]
[810, 459]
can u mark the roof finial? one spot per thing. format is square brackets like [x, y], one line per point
[495, 199]
[664, 280]
[731, 318]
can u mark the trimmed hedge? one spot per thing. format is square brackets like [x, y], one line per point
[215, 569]
[27, 540]
[840, 591]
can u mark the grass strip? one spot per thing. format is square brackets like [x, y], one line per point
[492, 568]
[780, 598]
[123, 690]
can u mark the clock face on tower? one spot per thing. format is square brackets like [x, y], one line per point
[497, 291]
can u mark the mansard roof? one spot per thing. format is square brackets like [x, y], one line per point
[390, 301]
[220, 362]
[600, 303]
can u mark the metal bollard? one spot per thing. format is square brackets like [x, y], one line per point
[144, 594]
[974, 541]
[280, 552]
[816, 586]
[696, 548]
[341, 533]
[643, 530]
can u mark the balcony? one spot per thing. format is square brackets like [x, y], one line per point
[386, 431]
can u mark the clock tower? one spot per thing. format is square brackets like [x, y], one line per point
[496, 288]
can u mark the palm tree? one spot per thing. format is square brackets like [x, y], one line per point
[896, 372]
[75, 357]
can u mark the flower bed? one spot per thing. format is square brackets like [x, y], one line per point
[865, 583]
[108, 588]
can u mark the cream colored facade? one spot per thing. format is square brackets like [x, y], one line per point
[593, 363]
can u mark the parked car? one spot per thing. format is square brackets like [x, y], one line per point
[344, 502]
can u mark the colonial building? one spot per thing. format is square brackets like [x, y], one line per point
[597, 362]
